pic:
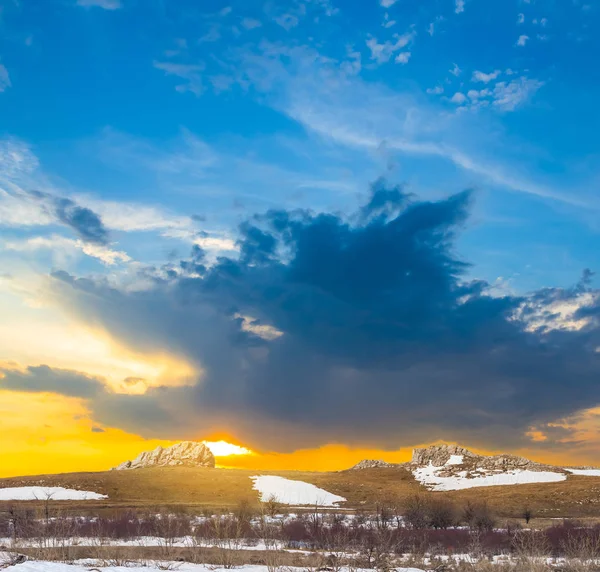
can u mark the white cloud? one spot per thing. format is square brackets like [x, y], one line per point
[4, 79]
[387, 23]
[509, 95]
[459, 6]
[190, 73]
[521, 19]
[475, 95]
[382, 53]
[387, 3]
[431, 29]
[458, 98]
[402, 58]
[287, 21]
[106, 4]
[264, 331]
[456, 71]
[65, 248]
[485, 77]
[437, 90]
[522, 40]
[353, 64]
[558, 314]
[213, 35]
[251, 23]
[215, 243]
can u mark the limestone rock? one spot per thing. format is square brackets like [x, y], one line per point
[372, 464]
[184, 454]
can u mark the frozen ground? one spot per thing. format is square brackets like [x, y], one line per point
[45, 493]
[295, 493]
[431, 478]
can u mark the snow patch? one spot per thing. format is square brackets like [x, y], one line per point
[455, 460]
[430, 477]
[585, 472]
[291, 492]
[46, 493]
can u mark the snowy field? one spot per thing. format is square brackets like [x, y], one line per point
[585, 472]
[42, 566]
[430, 477]
[45, 493]
[295, 493]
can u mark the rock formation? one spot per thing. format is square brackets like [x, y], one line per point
[455, 458]
[372, 464]
[184, 454]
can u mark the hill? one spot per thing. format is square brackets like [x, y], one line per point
[177, 478]
[197, 489]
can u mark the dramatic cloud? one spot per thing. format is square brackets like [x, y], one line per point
[42, 379]
[82, 220]
[361, 329]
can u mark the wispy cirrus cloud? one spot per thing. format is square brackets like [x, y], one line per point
[65, 248]
[190, 73]
[333, 107]
[5, 82]
[106, 4]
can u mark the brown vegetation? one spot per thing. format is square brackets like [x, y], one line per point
[202, 488]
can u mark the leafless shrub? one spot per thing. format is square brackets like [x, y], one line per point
[226, 535]
[272, 506]
[415, 512]
[582, 549]
[532, 549]
[478, 517]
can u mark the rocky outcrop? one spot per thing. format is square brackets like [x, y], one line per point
[184, 454]
[458, 459]
[372, 464]
[439, 455]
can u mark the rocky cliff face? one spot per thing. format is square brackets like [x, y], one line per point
[184, 454]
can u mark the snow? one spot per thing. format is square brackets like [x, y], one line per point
[45, 493]
[429, 476]
[455, 460]
[42, 566]
[585, 472]
[294, 493]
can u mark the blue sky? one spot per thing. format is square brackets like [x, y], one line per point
[230, 108]
[133, 131]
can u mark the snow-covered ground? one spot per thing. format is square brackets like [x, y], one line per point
[42, 566]
[431, 478]
[45, 493]
[295, 493]
[152, 541]
[585, 472]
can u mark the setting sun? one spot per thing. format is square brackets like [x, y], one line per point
[225, 449]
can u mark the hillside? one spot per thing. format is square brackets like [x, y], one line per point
[196, 489]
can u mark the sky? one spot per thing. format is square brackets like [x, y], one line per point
[322, 230]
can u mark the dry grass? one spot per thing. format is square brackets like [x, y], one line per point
[201, 489]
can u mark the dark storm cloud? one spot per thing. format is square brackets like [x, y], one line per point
[384, 341]
[39, 379]
[83, 221]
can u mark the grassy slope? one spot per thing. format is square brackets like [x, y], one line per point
[223, 488]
